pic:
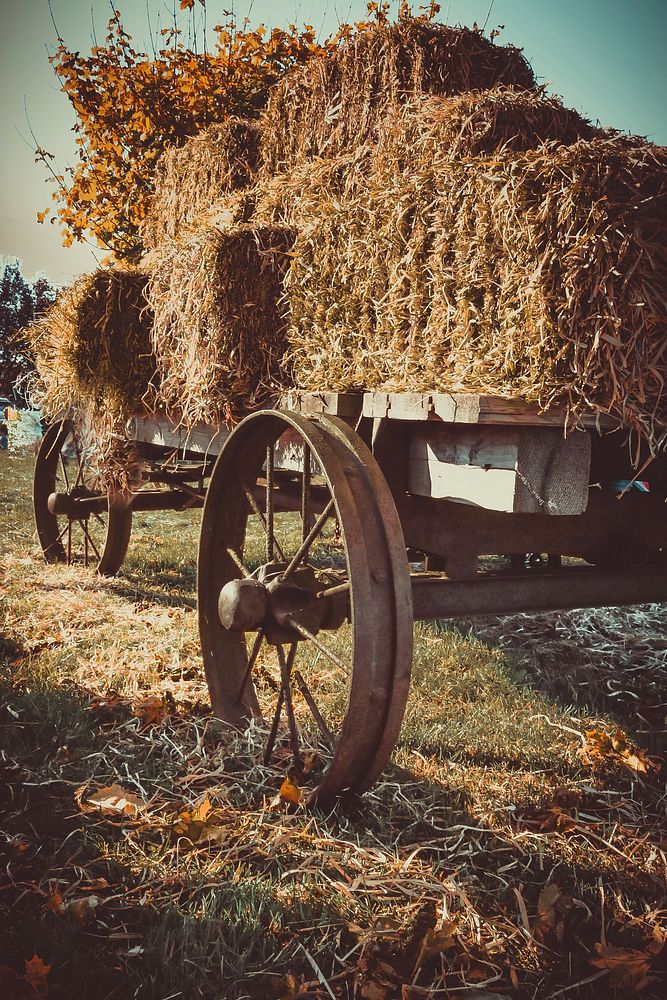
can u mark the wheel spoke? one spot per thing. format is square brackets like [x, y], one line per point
[255, 508]
[89, 539]
[314, 710]
[269, 504]
[305, 494]
[251, 663]
[79, 458]
[64, 468]
[309, 539]
[340, 588]
[307, 634]
[239, 562]
[273, 732]
[69, 541]
[286, 664]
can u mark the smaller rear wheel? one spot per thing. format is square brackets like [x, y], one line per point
[79, 521]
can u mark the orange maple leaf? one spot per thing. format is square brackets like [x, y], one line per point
[627, 966]
[36, 975]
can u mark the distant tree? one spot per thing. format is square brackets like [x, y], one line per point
[21, 302]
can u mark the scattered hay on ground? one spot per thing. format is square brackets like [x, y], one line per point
[219, 332]
[334, 103]
[192, 177]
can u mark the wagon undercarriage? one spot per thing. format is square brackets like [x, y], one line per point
[331, 525]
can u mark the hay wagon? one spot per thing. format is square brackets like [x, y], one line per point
[334, 521]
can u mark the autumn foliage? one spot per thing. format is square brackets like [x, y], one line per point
[131, 105]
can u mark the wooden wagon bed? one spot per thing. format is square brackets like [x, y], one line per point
[375, 510]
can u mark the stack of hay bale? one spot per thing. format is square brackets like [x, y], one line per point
[412, 213]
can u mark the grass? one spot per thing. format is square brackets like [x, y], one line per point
[498, 852]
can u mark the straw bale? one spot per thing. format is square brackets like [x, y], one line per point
[478, 124]
[540, 275]
[219, 332]
[333, 103]
[189, 178]
[94, 345]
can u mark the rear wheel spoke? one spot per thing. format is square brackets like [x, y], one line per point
[273, 732]
[87, 538]
[64, 468]
[305, 494]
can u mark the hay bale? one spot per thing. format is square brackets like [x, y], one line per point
[540, 275]
[219, 332]
[478, 124]
[333, 103]
[190, 178]
[93, 345]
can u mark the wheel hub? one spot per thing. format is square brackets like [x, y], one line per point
[281, 608]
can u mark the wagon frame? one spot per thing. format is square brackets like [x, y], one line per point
[421, 494]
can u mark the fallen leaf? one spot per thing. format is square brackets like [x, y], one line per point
[115, 799]
[556, 820]
[198, 823]
[36, 975]
[552, 908]
[152, 710]
[289, 792]
[601, 748]
[627, 966]
[435, 941]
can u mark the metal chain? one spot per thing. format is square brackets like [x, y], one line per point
[549, 504]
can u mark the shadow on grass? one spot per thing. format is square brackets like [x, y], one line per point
[172, 920]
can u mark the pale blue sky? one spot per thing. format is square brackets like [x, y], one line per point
[604, 57]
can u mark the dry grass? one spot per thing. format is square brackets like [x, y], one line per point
[192, 177]
[219, 332]
[332, 105]
[487, 812]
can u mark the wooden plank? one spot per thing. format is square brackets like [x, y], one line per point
[512, 469]
[340, 404]
[375, 405]
[492, 489]
[470, 408]
[202, 439]
[484, 447]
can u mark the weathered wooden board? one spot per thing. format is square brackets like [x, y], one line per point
[468, 408]
[202, 439]
[339, 404]
[520, 469]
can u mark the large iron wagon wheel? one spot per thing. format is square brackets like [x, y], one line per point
[77, 520]
[305, 606]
